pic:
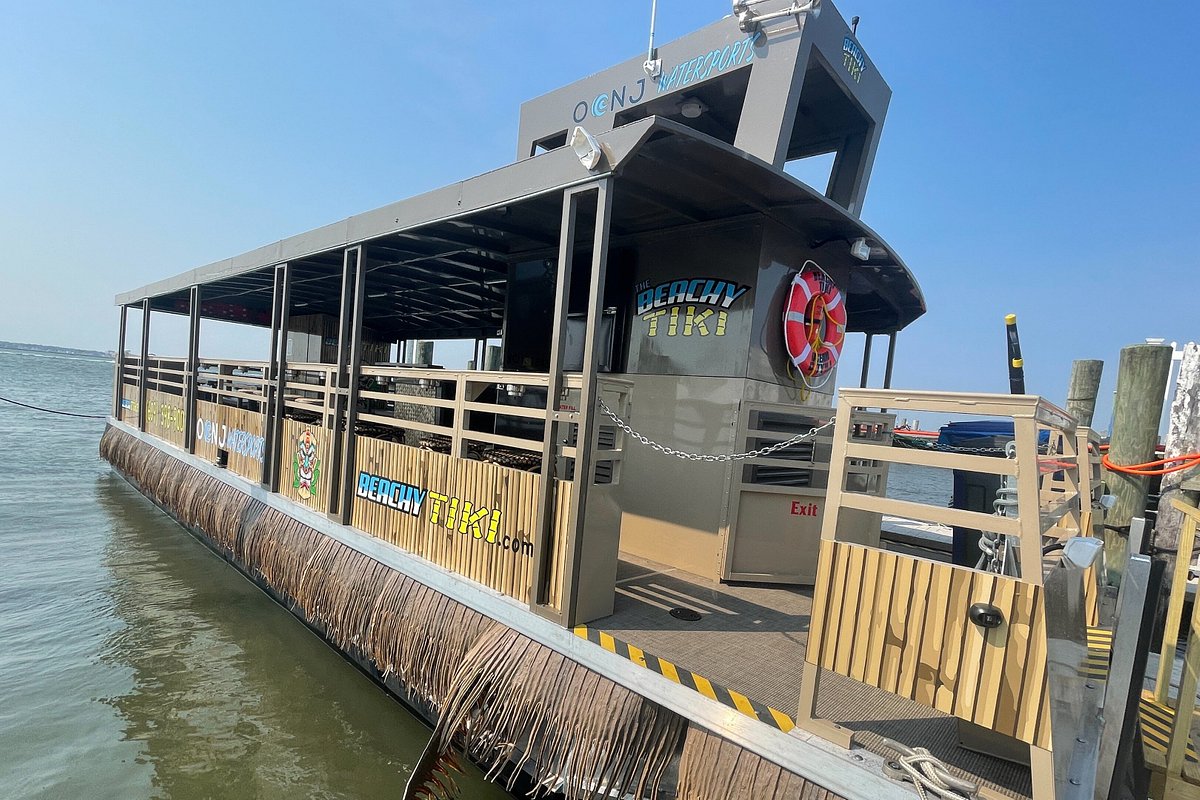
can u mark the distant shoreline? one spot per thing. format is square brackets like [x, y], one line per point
[51, 349]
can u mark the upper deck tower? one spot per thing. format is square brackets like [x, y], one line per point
[780, 88]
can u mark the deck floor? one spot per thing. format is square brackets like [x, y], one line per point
[751, 639]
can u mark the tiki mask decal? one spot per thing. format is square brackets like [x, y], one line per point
[306, 467]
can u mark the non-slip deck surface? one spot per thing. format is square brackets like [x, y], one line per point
[752, 638]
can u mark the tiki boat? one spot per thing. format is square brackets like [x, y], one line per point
[630, 551]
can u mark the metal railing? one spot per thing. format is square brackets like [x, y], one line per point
[1046, 468]
[500, 418]
[1184, 703]
[953, 654]
[467, 413]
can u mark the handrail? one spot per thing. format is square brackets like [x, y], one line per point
[1050, 478]
[451, 396]
[1175, 603]
[445, 400]
[1008, 405]
[1185, 707]
[925, 458]
[860, 618]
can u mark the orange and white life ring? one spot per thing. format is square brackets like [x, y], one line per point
[814, 322]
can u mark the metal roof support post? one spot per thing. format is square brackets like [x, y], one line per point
[848, 179]
[143, 372]
[589, 398]
[193, 370]
[331, 419]
[348, 439]
[269, 377]
[275, 405]
[773, 96]
[866, 367]
[543, 538]
[119, 366]
[891, 361]
[585, 418]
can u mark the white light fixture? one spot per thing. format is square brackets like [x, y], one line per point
[860, 249]
[749, 21]
[586, 147]
[692, 108]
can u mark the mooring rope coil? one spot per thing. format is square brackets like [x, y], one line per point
[52, 411]
[709, 457]
[929, 773]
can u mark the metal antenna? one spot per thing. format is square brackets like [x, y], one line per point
[653, 65]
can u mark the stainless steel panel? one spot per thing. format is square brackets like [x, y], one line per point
[672, 511]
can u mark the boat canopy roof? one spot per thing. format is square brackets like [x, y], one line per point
[438, 262]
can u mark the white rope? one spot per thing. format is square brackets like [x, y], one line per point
[930, 775]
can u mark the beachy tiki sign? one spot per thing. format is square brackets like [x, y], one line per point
[455, 514]
[687, 306]
[853, 59]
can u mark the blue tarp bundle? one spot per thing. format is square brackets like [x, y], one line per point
[977, 433]
[981, 433]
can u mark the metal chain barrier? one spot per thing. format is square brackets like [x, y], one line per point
[947, 448]
[995, 547]
[707, 457]
[1043, 449]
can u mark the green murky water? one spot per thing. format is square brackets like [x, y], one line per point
[136, 664]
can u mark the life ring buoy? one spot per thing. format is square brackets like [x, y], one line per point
[814, 322]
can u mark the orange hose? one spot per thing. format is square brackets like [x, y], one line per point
[1153, 468]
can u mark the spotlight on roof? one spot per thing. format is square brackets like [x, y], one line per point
[748, 21]
[860, 249]
[586, 147]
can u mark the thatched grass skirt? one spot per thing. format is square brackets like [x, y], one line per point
[512, 703]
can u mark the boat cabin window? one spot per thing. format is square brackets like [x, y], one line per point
[549, 143]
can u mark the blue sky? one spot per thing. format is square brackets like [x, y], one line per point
[1038, 158]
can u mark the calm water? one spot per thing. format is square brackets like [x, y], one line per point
[920, 484]
[136, 664]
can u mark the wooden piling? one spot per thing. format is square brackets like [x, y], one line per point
[1183, 436]
[492, 359]
[1085, 385]
[1141, 383]
[423, 353]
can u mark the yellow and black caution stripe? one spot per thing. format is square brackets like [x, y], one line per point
[697, 683]
[1099, 642]
[1157, 720]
